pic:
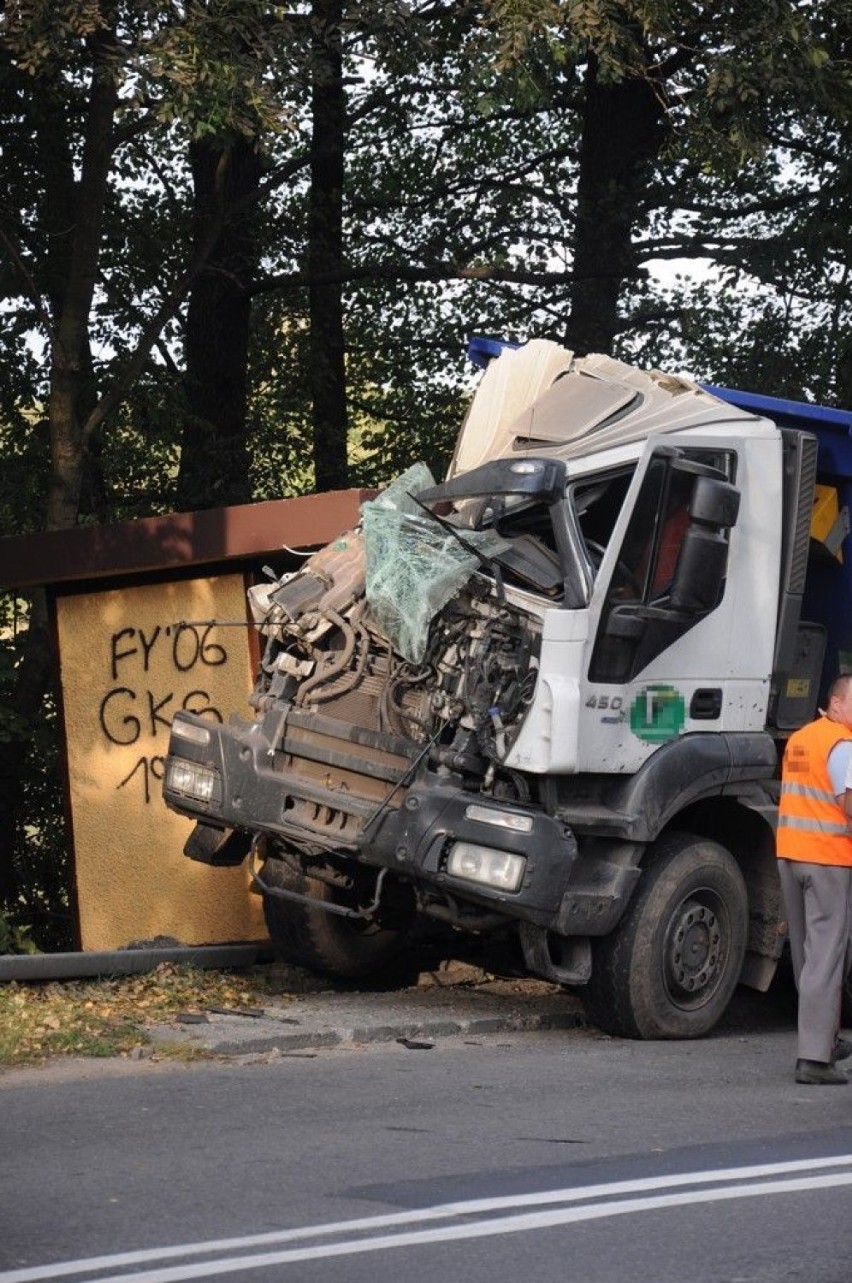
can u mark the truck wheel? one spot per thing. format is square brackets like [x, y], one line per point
[671, 966]
[311, 937]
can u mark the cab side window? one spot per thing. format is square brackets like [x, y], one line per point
[641, 615]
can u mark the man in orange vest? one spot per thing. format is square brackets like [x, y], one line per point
[814, 847]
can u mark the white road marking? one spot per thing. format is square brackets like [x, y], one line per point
[735, 1180]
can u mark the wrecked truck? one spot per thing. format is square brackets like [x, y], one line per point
[546, 694]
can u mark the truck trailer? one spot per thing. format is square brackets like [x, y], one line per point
[548, 694]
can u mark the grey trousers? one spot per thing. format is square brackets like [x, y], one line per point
[818, 900]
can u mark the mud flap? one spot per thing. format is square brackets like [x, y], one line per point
[220, 847]
[571, 966]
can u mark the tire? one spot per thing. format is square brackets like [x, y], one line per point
[670, 967]
[348, 948]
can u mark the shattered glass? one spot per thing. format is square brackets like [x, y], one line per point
[415, 565]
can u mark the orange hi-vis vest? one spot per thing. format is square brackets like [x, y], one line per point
[812, 826]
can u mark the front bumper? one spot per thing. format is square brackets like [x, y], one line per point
[238, 777]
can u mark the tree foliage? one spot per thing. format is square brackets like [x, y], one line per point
[242, 245]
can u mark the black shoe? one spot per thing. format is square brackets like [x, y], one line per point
[815, 1072]
[842, 1049]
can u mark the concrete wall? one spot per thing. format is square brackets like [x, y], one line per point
[127, 663]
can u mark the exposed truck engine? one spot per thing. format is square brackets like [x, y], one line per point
[546, 694]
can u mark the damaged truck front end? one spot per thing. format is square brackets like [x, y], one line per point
[537, 696]
[400, 665]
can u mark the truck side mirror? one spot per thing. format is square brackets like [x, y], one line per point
[714, 503]
[702, 563]
[700, 573]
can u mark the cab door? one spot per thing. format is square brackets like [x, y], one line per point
[653, 660]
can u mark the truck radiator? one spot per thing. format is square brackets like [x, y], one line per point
[346, 768]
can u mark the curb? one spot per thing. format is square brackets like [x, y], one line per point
[323, 1021]
[29, 968]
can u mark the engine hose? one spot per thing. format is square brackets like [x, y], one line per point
[339, 663]
[333, 689]
[521, 787]
[484, 739]
[396, 694]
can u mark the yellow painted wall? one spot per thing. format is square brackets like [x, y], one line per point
[126, 666]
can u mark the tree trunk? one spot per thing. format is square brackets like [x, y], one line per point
[71, 392]
[325, 249]
[214, 467]
[76, 215]
[32, 680]
[623, 132]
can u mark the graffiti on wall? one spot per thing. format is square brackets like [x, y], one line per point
[134, 711]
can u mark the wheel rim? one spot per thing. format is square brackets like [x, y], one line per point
[696, 950]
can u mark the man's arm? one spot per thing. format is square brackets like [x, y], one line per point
[840, 770]
[845, 798]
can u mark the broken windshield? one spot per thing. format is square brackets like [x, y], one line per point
[510, 519]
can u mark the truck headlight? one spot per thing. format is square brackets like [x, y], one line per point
[193, 780]
[474, 863]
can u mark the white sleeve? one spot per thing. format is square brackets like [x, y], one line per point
[840, 767]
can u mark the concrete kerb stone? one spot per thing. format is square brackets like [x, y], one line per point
[324, 1020]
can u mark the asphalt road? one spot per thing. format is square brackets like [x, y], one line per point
[556, 1154]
